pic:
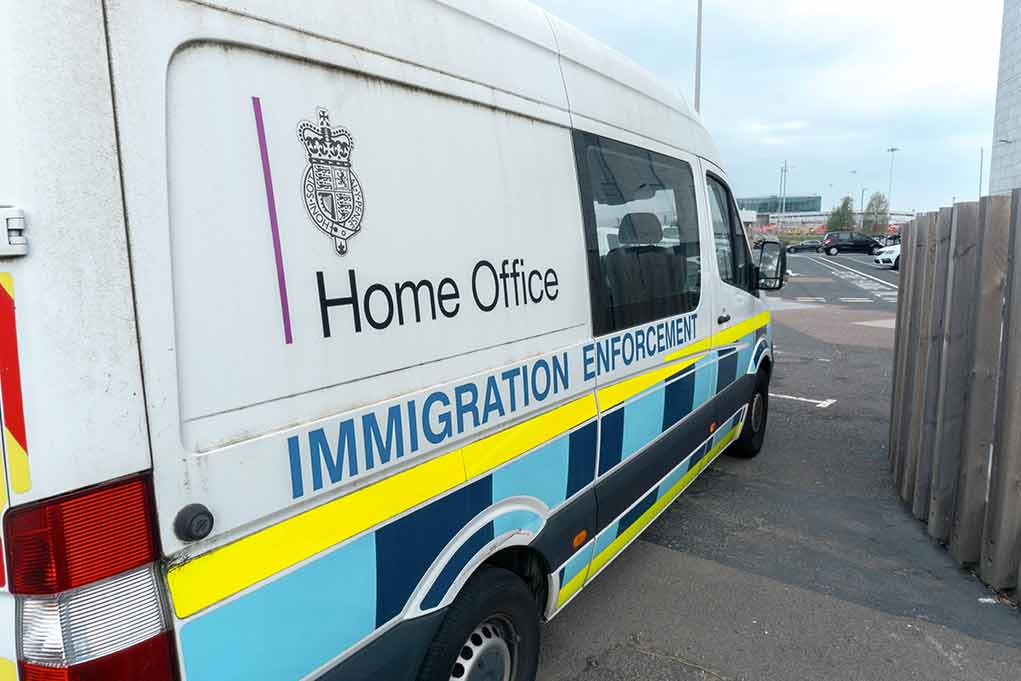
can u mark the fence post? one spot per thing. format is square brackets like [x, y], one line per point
[1000, 545]
[925, 255]
[985, 317]
[955, 363]
[902, 337]
[933, 336]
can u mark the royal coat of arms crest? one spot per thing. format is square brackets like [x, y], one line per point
[331, 190]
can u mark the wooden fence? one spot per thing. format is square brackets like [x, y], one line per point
[955, 422]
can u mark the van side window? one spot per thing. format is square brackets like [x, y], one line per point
[731, 245]
[641, 231]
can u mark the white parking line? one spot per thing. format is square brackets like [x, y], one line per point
[831, 265]
[821, 404]
[856, 300]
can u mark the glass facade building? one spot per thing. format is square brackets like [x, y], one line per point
[792, 204]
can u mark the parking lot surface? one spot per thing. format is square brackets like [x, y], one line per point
[802, 563]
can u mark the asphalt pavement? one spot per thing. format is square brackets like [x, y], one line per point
[802, 563]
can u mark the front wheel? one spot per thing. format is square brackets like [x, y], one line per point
[753, 432]
[832, 250]
[896, 263]
[490, 633]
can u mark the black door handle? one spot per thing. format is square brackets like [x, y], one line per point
[723, 319]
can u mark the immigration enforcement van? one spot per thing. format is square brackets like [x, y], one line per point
[316, 358]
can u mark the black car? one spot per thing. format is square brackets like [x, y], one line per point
[807, 245]
[849, 242]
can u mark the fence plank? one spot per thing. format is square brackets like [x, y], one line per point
[916, 275]
[955, 364]
[925, 253]
[902, 337]
[910, 274]
[986, 320]
[940, 284]
[1000, 545]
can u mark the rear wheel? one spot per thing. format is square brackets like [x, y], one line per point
[753, 433]
[490, 633]
[832, 250]
[791, 249]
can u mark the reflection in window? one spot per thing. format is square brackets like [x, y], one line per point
[645, 224]
[731, 245]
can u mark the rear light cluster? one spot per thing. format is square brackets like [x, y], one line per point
[89, 601]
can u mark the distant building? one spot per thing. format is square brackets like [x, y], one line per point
[791, 204]
[1005, 170]
[808, 222]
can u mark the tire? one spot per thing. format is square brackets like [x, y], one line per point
[896, 263]
[493, 622]
[873, 251]
[753, 433]
[791, 249]
[832, 250]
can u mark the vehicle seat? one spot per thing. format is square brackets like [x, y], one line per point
[640, 272]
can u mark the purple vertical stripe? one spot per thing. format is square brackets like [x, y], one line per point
[271, 204]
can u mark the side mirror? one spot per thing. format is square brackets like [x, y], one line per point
[772, 266]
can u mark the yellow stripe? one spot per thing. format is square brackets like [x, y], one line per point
[488, 453]
[690, 349]
[7, 281]
[738, 331]
[630, 533]
[17, 461]
[618, 393]
[226, 571]
[572, 587]
[8, 670]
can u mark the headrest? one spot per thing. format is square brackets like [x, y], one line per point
[641, 228]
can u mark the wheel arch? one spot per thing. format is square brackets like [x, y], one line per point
[501, 536]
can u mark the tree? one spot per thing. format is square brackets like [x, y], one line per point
[842, 217]
[877, 214]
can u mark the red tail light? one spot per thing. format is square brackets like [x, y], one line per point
[89, 592]
[80, 538]
[152, 659]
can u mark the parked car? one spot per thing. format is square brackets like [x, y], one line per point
[806, 245]
[849, 242]
[888, 257]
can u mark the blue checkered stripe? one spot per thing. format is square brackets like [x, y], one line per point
[308, 617]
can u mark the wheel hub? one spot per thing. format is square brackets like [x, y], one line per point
[758, 412]
[487, 655]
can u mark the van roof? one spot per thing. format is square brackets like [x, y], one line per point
[511, 55]
[604, 87]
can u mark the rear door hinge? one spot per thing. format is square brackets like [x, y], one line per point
[13, 242]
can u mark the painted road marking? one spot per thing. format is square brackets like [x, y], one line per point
[831, 265]
[880, 323]
[856, 300]
[821, 404]
[811, 300]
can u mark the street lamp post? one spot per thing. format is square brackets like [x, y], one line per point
[862, 204]
[889, 195]
[698, 62]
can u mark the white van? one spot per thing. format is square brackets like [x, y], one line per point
[312, 363]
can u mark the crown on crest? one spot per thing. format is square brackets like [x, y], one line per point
[326, 145]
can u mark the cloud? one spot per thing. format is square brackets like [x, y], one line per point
[827, 84]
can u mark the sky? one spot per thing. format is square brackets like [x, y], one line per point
[827, 86]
